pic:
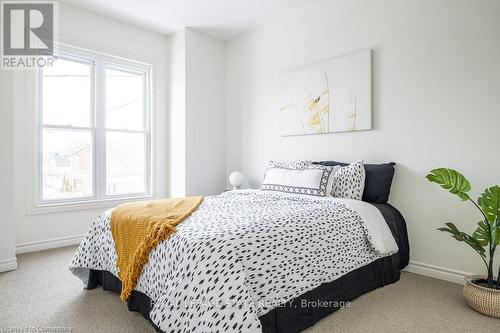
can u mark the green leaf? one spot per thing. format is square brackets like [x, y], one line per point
[489, 202]
[451, 180]
[463, 237]
[482, 233]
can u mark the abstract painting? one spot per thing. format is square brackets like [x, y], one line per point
[327, 97]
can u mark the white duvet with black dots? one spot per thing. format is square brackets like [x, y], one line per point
[242, 253]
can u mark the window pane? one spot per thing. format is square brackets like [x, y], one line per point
[66, 93]
[125, 163]
[67, 164]
[124, 100]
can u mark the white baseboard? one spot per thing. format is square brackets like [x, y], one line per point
[8, 265]
[437, 272]
[48, 244]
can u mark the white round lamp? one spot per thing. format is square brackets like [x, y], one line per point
[237, 178]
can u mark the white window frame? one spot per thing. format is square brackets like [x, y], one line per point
[99, 62]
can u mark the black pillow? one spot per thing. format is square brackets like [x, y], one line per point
[378, 180]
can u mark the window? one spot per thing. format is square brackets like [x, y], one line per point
[94, 139]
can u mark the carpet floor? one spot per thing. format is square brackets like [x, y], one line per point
[43, 296]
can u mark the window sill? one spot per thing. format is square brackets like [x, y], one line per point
[37, 209]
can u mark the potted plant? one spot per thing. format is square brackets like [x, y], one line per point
[481, 292]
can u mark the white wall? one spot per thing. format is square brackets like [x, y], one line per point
[7, 226]
[177, 102]
[197, 119]
[88, 30]
[205, 119]
[436, 102]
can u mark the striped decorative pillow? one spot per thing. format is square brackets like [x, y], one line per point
[299, 178]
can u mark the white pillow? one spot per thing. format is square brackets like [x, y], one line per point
[299, 178]
[349, 181]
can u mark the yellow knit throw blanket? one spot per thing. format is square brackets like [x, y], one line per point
[138, 227]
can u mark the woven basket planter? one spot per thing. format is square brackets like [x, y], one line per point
[482, 299]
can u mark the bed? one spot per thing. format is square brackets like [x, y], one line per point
[256, 261]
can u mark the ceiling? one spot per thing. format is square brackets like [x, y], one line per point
[222, 18]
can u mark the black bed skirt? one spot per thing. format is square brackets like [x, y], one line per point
[294, 316]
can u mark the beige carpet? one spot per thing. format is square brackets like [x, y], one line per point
[43, 294]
